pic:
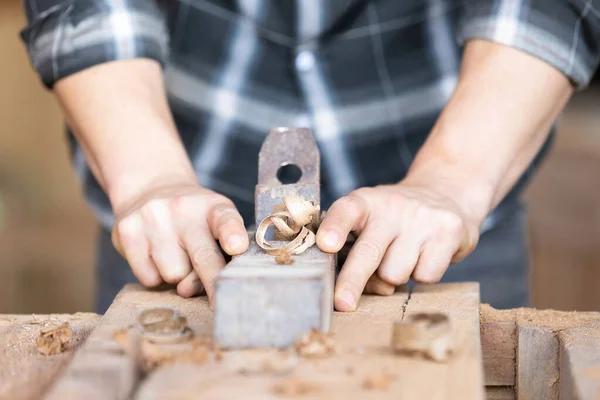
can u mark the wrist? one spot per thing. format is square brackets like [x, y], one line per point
[472, 193]
[132, 183]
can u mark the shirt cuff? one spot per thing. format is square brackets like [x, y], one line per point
[76, 35]
[560, 33]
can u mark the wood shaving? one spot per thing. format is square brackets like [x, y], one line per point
[380, 381]
[297, 224]
[284, 258]
[294, 387]
[155, 354]
[315, 344]
[52, 340]
[425, 334]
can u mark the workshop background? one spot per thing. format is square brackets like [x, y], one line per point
[47, 232]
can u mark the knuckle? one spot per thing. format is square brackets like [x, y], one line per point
[451, 223]
[128, 229]
[425, 276]
[177, 205]
[369, 250]
[204, 254]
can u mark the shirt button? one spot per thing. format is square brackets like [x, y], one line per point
[305, 61]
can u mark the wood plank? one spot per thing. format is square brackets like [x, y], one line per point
[498, 346]
[537, 364]
[580, 363]
[363, 355]
[24, 372]
[500, 393]
[464, 379]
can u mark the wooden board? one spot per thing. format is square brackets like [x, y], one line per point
[24, 372]
[362, 355]
[537, 364]
[500, 393]
[498, 345]
[580, 363]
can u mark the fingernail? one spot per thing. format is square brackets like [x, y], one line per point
[347, 298]
[331, 239]
[234, 242]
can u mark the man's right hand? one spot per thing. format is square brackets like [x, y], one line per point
[167, 226]
[170, 234]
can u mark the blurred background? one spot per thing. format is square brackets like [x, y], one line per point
[47, 233]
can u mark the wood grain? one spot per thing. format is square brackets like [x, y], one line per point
[580, 363]
[24, 372]
[537, 364]
[362, 355]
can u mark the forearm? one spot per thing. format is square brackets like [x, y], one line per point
[119, 113]
[495, 123]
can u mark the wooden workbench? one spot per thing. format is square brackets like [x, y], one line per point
[524, 354]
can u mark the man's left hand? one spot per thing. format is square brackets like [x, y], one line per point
[404, 231]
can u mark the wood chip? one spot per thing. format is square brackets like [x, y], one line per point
[315, 344]
[380, 381]
[426, 334]
[284, 258]
[294, 387]
[52, 340]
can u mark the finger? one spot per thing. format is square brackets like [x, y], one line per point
[375, 285]
[363, 260]
[345, 215]
[190, 286]
[399, 261]
[128, 236]
[170, 258]
[205, 255]
[434, 261]
[227, 225]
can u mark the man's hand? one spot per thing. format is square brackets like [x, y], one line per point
[167, 226]
[170, 234]
[497, 119]
[405, 230]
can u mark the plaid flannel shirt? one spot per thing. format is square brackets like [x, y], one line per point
[368, 77]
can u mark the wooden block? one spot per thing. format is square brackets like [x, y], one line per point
[537, 364]
[363, 366]
[500, 393]
[498, 346]
[580, 363]
[24, 372]
[259, 303]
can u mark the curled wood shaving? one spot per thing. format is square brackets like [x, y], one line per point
[427, 334]
[295, 225]
[153, 354]
[315, 344]
[52, 340]
[294, 387]
[163, 324]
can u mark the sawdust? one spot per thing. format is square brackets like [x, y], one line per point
[294, 387]
[52, 340]
[284, 258]
[552, 319]
[379, 381]
[315, 344]
[280, 363]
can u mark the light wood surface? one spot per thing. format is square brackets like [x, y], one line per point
[362, 353]
[580, 363]
[24, 372]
